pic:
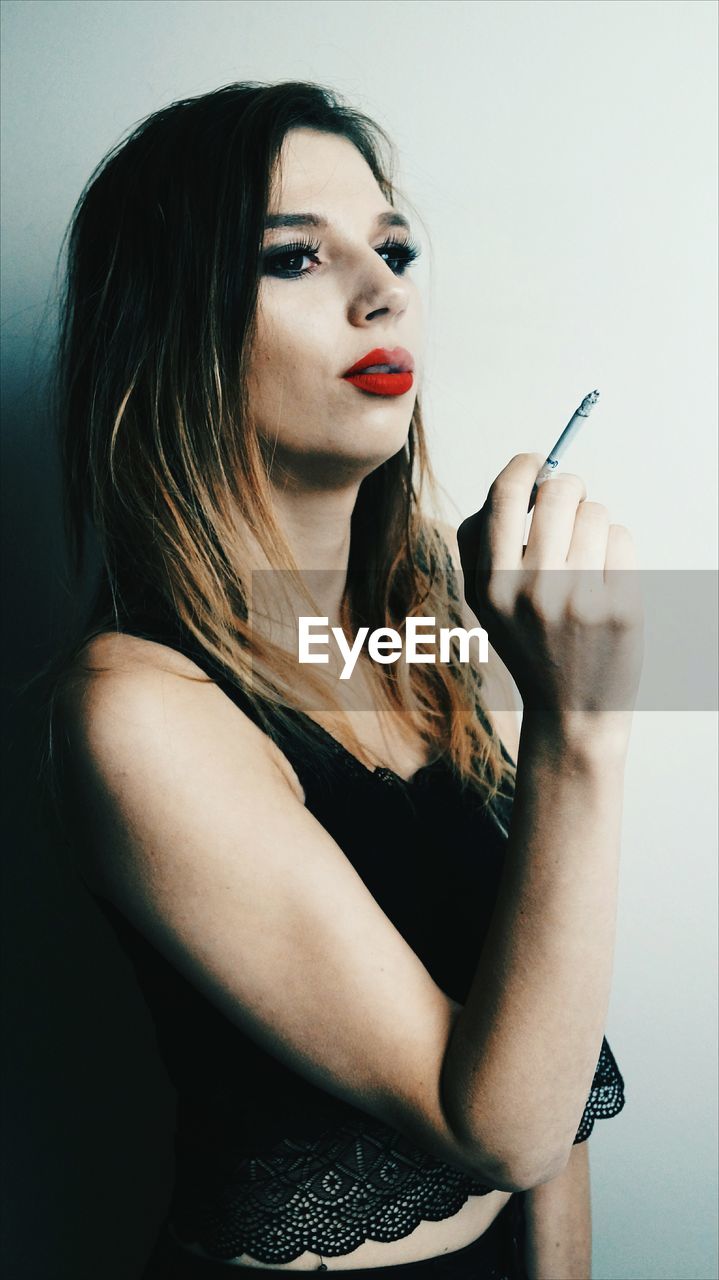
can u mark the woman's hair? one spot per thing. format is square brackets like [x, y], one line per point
[158, 446]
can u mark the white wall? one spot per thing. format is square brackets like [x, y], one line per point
[562, 156]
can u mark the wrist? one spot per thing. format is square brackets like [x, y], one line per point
[578, 739]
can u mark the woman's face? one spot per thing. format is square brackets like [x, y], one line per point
[354, 296]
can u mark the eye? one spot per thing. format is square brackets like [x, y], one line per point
[405, 253]
[289, 253]
[400, 252]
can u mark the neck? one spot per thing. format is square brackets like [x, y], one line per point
[317, 525]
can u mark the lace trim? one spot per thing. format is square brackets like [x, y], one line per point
[360, 1181]
[363, 1181]
[606, 1098]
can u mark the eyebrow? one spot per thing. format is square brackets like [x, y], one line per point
[388, 219]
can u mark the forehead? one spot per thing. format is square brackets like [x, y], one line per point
[321, 169]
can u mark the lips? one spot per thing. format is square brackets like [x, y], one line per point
[390, 362]
[383, 372]
[382, 384]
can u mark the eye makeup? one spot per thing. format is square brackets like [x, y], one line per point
[403, 252]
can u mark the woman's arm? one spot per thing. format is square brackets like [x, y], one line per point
[559, 1223]
[523, 1051]
[195, 826]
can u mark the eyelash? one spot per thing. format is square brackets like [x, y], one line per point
[409, 251]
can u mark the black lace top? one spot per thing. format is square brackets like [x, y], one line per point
[267, 1163]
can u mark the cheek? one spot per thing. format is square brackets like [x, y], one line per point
[289, 379]
[298, 321]
[300, 353]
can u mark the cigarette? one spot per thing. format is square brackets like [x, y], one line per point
[575, 424]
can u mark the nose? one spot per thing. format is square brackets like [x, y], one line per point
[379, 293]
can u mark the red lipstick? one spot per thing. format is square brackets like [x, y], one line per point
[383, 372]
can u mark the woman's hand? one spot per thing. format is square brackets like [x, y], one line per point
[568, 627]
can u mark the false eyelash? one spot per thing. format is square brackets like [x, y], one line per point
[409, 251]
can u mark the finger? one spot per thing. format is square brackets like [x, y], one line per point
[553, 521]
[588, 546]
[622, 575]
[506, 512]
[469, 539]
[621, 552]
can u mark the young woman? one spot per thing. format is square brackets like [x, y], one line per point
[377, 951]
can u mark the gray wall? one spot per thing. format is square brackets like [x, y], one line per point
[562, 156]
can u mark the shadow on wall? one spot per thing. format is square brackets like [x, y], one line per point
[89, 1115]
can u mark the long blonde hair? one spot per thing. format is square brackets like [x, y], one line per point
[158, 447]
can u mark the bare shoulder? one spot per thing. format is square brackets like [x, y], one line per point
[126, 693]
[115, 664]
[504, 702]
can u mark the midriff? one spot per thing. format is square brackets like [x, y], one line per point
[428, 1240]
